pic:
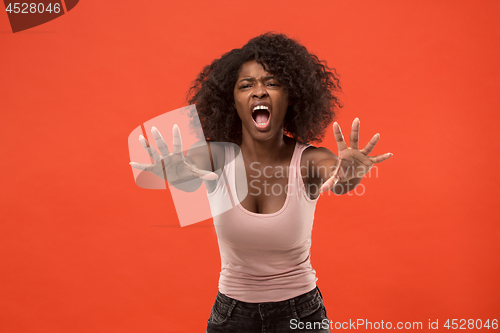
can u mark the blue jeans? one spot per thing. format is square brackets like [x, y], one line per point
[304, 313]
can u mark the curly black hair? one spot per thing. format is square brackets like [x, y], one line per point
[312, 89]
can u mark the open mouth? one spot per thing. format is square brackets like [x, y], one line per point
[261, 116]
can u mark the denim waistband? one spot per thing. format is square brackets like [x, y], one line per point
[297, 307]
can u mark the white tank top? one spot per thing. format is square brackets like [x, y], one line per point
[264, 257]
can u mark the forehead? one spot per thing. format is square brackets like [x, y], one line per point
[253, 69]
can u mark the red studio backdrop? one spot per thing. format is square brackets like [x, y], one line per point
[84, 249]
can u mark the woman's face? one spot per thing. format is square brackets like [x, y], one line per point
[261, 102]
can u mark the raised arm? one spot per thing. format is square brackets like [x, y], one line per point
[341, 173]
[183, 172]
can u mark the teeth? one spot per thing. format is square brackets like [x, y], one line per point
[260, 107]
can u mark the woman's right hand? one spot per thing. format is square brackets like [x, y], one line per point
[173, 167]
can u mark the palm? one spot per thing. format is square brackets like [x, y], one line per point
[354, 162]
[173, 167]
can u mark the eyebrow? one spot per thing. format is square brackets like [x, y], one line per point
[267, 77]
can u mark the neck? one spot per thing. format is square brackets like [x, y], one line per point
[268, 152]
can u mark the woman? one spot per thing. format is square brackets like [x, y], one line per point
[268, 99]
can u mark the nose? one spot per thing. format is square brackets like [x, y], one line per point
[260, 90]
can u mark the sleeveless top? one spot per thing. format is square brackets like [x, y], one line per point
[264, 257]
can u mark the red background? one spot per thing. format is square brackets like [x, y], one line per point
[83, 249]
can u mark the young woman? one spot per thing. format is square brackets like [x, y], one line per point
[266, 101]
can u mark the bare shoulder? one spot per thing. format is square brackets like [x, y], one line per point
[312, 168]
[203, 154]
[218, 154]
[314, 155]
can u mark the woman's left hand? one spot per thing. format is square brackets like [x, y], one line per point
[354, 163]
